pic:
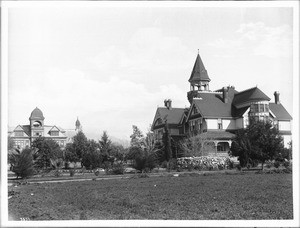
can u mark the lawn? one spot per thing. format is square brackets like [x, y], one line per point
[211, 196]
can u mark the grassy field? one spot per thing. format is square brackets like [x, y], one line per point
[215, 196]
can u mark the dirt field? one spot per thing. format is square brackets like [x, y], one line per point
[191, 196]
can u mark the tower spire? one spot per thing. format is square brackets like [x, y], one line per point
[199, 77]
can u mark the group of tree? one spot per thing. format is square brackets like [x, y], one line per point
[92, 154]
[258, 143]
[146, 152]
[46, 154]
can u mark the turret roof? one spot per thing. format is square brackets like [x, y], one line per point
[37, 114]
[199, 72]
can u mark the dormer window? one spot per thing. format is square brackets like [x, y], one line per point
[54, 133]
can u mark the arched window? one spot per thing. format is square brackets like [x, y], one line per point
[37, 124]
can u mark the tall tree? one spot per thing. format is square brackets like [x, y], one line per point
[137, 137]
[259, 141]
[75, 150]
[46, 149]
[167, 143]
[91, 157]
[105, 145]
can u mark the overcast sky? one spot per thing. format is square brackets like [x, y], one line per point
[113, 66]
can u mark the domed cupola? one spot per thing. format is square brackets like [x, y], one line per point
[37, 123]
[36, 114]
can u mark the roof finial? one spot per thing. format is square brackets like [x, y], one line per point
[198, 51]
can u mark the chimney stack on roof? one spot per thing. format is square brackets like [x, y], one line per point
[276, 95]
[168, 104]
[225, 94]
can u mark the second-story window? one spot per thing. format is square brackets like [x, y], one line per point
[220, 124]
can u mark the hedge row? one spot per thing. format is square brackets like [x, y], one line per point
[205, 163]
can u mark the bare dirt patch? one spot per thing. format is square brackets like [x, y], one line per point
[248, 196]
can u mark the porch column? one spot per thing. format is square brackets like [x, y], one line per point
[216, 147]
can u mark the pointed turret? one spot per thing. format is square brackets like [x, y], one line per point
[199, 72]
[199, 80]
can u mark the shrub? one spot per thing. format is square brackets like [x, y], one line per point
[229, 163]
[269, 164]
[164, 164]
[276, 164]
[220, 167]
[23, 164]
[57, 173]
[286, 164]
[172, 164]
[287, 170]
[118, 169]
[72, 172]
[144, 161]
[96, 172]
[190, 167]
[239, 167]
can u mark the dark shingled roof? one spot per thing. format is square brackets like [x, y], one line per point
[239, 112]
[173, 115]
[212, 105]
[199, 72]
[252, 94]
[26, 129]
[280, 112]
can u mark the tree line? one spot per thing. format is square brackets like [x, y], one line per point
[258, 143]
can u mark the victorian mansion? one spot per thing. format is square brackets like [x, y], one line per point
[216, 115]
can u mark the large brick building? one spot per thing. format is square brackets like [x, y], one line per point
[24, 135]
[216, 115]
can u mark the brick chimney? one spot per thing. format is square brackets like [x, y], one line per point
[276, 96]
[168, 104]
[225, 94]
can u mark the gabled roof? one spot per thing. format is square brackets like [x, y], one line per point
[252, 94]
[280, 112]
[212, 105]
[199, 72]
[172, 116]
[19, 128]
[54, 128]
[24, 128]
[49, 128]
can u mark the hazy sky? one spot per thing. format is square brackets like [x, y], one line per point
[112, 66]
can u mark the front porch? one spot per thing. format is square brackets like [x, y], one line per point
[219, 143]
